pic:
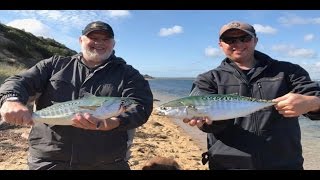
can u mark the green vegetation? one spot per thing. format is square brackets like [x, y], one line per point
[22, 48]
[9, 70]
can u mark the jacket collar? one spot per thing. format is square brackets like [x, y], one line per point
[113, 59]
[263, 61]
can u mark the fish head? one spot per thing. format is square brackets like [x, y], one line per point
[127, 103]
[174, 112]
[113, 106]
[109, 107]
[175, 109]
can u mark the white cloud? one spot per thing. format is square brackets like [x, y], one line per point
[51, 14]
[305, 53]
[212, 52]
[309, 37]
[292, 20]
[291, 51]
[264, 29]
[313, 69]
[118, 13]
[261, 47]
[74, 18]
[63, 24]
[170, 31]
[282, 47]
[297, 20]
[31, 25]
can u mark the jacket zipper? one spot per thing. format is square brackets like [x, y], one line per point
[259, 158]
[260, 89]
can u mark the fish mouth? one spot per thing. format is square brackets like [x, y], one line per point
[126, 105]
[159, 112]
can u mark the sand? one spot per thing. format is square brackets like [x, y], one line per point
[160, 136]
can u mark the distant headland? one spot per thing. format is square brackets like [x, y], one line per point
[146, 76]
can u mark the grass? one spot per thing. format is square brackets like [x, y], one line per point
[9, 70]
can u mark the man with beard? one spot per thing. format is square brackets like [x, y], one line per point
[97, 71]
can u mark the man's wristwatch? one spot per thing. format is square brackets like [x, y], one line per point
[9, 97]
[12, 99]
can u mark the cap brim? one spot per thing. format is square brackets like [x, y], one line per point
[91, 30]
[248, 32]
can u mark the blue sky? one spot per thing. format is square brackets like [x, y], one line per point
[181, 43]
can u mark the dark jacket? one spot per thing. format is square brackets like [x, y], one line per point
[265, 139]
[60, 79]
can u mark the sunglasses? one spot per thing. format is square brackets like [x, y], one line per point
[232, 40]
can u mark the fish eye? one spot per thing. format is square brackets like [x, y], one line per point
[190, 106]
[163, 108]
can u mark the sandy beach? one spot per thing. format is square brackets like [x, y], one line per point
[160, 136]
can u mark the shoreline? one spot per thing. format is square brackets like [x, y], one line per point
[310, 136]
[159, 136]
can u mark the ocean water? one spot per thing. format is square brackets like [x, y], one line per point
[167, 89]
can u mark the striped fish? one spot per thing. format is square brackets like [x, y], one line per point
[215, 106]
[102, 107]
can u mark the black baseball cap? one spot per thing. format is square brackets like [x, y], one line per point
[98, 26]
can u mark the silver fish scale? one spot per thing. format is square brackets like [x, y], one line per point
[101, 107]
[58, 111]
[219, 110]
[232, 98]
[216, 107]
[205, 100]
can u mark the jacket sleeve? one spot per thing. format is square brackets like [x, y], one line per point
[205, 85]
[27, 84]
[137, 88]
[301, 83]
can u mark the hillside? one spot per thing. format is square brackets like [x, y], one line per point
[23, 49]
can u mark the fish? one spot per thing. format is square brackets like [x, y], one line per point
[102, 107]
[215, 106]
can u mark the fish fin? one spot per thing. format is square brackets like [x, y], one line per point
[191, 108]
[93, 108]
[87, 94]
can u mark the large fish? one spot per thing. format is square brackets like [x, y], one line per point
[215, 106]
[102, 107]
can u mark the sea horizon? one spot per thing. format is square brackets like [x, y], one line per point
[192, 78]
[183, 78]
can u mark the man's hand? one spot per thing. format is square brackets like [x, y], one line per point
[197, 121]
[293, 105]
[15, 112]
[87, 121]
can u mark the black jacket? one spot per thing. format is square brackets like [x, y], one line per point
[60, 79]
[265, 139]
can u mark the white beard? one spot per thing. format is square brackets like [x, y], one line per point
[94, 56]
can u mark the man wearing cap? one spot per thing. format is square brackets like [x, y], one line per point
[267, 139]
[97, 71]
